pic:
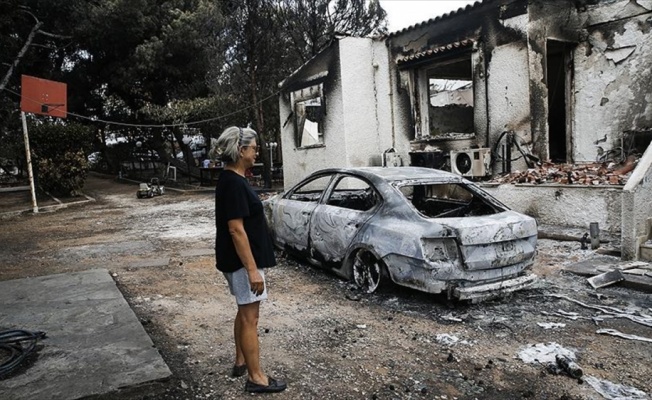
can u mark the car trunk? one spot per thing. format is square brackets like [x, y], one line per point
[494, 241]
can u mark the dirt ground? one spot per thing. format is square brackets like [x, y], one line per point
[327, 340]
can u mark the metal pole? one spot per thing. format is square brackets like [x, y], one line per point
[28, 155]
[594, 229]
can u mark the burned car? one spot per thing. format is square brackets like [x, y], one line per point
[421, 228]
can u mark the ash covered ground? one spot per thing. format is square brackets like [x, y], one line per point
[326, 342]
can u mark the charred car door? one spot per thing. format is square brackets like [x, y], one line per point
[293, 212]
[339, 217]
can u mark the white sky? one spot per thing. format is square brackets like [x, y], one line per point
[403, 13]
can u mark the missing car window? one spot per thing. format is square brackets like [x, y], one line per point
[311, 191]
[446, 200]
[353, 193]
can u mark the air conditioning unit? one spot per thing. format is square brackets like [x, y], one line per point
[471, 162]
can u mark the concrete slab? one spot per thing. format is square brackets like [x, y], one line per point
[151, 262]
[95, 344]
[197, 252]
[592, 266]
[597, 265]
[606, 279]
[638, 271]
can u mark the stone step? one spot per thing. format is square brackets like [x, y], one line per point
[645, 252]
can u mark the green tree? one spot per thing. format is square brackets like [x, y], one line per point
[31, 42]
[167, 62]
[312, 24]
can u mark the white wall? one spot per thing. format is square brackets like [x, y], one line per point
[365, 133]
[509, 96]
[564, 205]
[637, 206]
[358, 123]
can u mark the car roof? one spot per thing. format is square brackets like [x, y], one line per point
[397, 174]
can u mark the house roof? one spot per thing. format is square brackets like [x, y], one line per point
[426, 54]
[459, 11]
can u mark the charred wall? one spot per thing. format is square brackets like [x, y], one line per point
[613, 79]
[549, 21]
[323, 69]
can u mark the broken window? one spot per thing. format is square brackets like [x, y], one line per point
[311, 191]
[309, 111]
[448, 201]
[353, 193]
[450, 97]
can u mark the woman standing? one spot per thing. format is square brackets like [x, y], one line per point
[243, 248]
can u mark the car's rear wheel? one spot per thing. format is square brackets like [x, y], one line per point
[367, 271]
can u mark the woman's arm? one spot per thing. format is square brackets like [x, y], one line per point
[243, 249]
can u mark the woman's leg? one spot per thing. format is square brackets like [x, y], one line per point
[248, 339]
[237, 332]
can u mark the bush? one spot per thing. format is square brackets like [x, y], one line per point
[59, 153]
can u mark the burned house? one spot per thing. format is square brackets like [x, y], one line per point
[497, 87]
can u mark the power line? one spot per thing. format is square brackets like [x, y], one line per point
[151, 125]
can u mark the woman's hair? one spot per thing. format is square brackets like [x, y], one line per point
[231, 140]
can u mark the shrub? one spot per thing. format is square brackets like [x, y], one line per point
[59, 153]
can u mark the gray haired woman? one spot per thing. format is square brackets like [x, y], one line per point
[243, 248]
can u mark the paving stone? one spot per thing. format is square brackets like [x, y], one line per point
[151, 262]
[197, 252]
[94, 345]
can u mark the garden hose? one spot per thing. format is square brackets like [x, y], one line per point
[18, 344]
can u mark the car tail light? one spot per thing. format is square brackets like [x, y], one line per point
[439, 249]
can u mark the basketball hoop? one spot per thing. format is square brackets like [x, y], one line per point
[42, 96]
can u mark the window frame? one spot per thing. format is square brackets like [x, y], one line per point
[419, 84]
[303, 95]
[289, 195]
[340, 177]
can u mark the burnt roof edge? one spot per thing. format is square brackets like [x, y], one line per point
[294, 78]
[447, 50]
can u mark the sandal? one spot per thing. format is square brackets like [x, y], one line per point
[239, 370]
[273, 386]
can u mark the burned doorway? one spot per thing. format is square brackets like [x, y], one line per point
[558, 78]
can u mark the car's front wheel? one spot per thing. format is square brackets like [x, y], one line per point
[367, 271]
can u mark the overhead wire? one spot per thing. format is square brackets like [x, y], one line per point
[173, 125]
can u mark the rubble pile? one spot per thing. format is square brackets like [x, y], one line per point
[580, 174]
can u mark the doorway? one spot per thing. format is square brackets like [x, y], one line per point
[558, 73]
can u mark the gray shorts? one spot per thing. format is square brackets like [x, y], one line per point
[240, 288]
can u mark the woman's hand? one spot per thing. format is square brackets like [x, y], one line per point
[256, 282]
[242, 247]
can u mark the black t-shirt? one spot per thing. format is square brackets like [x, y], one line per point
[235, 199]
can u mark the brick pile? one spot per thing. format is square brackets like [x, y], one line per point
[579, 174]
